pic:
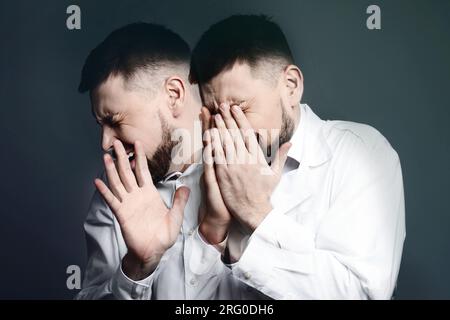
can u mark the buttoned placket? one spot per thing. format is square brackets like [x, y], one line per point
[186, 231]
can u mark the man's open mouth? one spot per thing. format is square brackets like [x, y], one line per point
[130, 155]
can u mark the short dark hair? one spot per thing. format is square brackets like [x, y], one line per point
[240, 38]
[130, 48]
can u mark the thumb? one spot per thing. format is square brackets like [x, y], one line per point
[280, 158]
[179, 203]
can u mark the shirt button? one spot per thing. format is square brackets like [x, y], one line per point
[191, 232]
[193, 281]
[247, 275]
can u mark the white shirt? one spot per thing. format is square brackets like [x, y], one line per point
[336, 231]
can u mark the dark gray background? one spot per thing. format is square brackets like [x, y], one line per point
[396, 79]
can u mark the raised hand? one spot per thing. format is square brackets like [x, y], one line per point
[214, 215]
[149, 228]
[245, 180]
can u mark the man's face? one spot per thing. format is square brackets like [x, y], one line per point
[130, 115]
[262, 101]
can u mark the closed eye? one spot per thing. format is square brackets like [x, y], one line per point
[244, 105]
[110, 120]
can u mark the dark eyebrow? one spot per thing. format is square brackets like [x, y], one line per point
[107, 117]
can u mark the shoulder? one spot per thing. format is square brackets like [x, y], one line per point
[359, 153]
[347, 138]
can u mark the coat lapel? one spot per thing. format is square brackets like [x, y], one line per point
[292, 190]
[310, 149]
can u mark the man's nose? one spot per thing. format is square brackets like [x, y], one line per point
[108, 138]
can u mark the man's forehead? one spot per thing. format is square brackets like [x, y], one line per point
[236, 76]
[102, 106]
[109, 97]
[226, 90]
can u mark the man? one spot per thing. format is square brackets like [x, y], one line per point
[142, 226]
[333, 227]
[137, 79]
[286, 239]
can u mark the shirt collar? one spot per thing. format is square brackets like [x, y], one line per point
[309, 145]
[175, 175]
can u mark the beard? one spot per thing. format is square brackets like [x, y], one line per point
[287, 127]
[285, 135]
[159, 164]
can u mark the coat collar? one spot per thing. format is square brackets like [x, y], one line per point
[309, 146]
[310, 149]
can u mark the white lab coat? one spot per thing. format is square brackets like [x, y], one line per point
[336, 231]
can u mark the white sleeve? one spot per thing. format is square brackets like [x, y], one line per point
[104, 278]
[354, 254]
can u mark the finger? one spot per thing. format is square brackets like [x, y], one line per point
[206, 119]
[225, 139]
[109, 197]
[125, 172]
[208, 169]
[180, 200]
[247, 131]
[264, 146]
[232, 126]
[142, 172]
[280, 158]
[113, 177]
[218, 153]
[227, 117]
[206, 122]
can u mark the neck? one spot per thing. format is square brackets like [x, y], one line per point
[195, 145]
[297, 115]
[191, 146]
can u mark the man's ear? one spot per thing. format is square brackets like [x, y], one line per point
[293, 82]
[176, 93]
